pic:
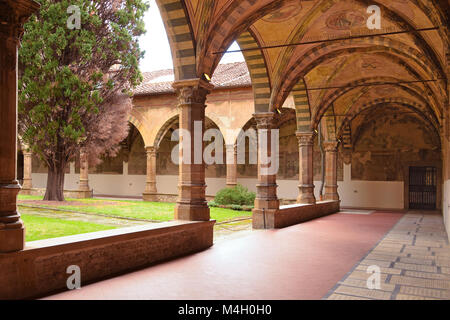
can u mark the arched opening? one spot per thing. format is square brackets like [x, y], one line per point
[167, 170]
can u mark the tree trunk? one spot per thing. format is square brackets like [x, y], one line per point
[55, 183]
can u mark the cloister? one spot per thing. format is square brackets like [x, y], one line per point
[377, 100]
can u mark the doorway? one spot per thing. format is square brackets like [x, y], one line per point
[422, 188]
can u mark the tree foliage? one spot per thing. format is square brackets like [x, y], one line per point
[75, 84]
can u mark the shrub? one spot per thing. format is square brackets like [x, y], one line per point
[238, 195]
[212, 204]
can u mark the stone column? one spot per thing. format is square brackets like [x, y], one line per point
[266, 202]
[191, 204]
[306, 168]
[231, 165]
[27, 170]
[13, 15]
[331, 170]
[84, 190]
[151, 193]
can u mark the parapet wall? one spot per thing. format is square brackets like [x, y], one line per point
[41, 268]
[290, 215]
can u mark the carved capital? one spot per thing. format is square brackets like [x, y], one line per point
[330, 146]
[150, 150]
[265, 120]
[13, 15]
[305, 138]
[192, 91]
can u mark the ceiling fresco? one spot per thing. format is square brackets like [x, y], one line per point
[323, 44]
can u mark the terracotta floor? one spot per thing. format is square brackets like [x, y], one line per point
[300, 262]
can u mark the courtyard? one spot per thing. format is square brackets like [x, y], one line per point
[185, 150]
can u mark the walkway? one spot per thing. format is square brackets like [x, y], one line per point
[307, 261]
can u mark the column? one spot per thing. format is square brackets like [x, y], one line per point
[27, 170]
[231, 165]
[331, 170]
[306, 168]
[13, 15]
[266, 202]
[191, 204]
[83, 187]
[151, 193]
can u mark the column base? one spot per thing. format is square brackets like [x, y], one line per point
[192, 212]
[12, 240]
[306, 199]
[79, 194]
[231, 185]
[264, 218]
[150, 197]
[331, 196]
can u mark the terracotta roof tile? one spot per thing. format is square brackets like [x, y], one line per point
[230, 75]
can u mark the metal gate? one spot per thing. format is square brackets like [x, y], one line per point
[422, 188]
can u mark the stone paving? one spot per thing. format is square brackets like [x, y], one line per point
[414, 260]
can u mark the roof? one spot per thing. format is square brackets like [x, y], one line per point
[230, 75]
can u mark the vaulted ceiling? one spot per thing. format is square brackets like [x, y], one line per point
[321, 52]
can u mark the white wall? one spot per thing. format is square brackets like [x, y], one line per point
[446, 205]
[370, 194]
[362, 194]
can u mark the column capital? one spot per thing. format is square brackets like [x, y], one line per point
[13, 15]
[305, 138]
[330, 146]
[265, 120]
[192, 91]
[150, 149]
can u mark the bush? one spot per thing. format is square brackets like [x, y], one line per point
[238, 195]
[212, 204]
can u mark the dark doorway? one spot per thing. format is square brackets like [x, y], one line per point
[20, 167]
[422, 188]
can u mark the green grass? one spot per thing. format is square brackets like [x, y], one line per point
[39, 228]
[157, 211]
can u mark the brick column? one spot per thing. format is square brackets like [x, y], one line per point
[150, 193]
[331, 170]
[83, 187]
[306, 167]
[27, 170]
[13, 15]
[266, 202]
[231, 165]
[191, 204]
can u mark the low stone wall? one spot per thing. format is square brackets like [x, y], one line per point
[290, 215]
[71, 194]
[41, 268]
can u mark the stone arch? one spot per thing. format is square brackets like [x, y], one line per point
[302, 107]
[181, 38]
[327, 51]
[426, 108]
[141, 124]
[409, 104]
[257, 67]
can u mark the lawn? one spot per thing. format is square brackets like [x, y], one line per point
[39, 228]
[156, 211]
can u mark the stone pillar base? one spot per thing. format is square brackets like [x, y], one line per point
[306, 199]
[12, 240]
[192, 212]
[231, 185]
[331, 193]
[264, 218]
[79, 194]
[27, 192]
[150, 197]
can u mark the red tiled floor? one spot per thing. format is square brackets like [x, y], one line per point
[300, 262]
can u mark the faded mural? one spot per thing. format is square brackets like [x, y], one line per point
[391, 141]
